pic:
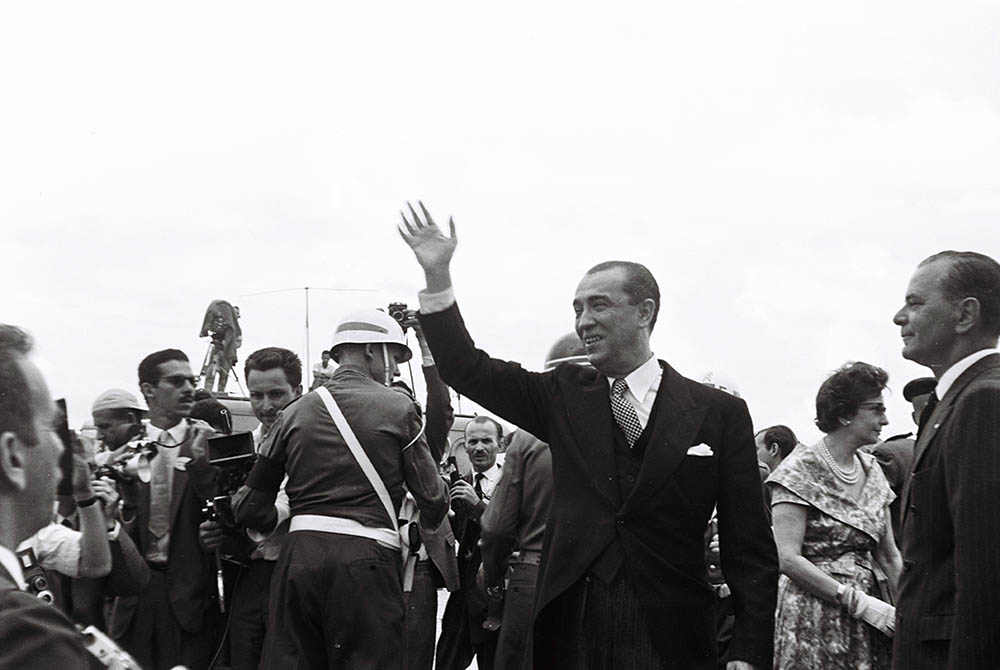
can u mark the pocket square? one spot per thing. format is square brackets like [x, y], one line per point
[700, 450]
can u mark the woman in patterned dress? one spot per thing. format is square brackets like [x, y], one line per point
[839, 562]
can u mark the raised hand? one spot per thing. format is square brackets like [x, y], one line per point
[432, 247]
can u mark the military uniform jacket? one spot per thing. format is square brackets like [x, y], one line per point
[323, 476]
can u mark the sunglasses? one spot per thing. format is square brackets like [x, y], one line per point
[177, 381]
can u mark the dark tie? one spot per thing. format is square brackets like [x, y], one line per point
[479, 485]
[928, 410]
[624, 412]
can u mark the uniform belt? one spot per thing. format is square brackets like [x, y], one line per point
[528, 557]
[387, 537]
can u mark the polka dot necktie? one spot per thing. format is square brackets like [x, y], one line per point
[479, 485]
[624, 412]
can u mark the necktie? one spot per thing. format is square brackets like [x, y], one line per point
[624, 412]
[479, 485]
[159, 490]
[928, 410]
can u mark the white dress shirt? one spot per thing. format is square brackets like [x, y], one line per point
[956, 370]
[643, 383]
[166, 448]
[13, 566]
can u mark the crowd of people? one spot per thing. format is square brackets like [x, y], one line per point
[636, 521]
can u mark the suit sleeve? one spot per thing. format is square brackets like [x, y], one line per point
[973, 476]
[746, 544]
[440, 415]
[129, 573]
[504, 388]
[499, 521]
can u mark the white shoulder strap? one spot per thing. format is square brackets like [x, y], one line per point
[359, 454]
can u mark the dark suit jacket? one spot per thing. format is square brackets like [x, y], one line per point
[658, 530]
[189, 567]
[948, 614]
[36, 634]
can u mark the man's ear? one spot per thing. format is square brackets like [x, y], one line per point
[13, 465]
[297, 391]
[968, 315]
[646, 309]
[774, 449]
[147, 390]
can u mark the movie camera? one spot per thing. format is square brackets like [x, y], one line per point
[234, 456]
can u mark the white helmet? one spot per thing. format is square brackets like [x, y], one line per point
[370, 326]
[721, 381]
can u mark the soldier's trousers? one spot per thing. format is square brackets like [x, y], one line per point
[336, 602]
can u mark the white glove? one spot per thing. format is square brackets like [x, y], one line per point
[877, 613]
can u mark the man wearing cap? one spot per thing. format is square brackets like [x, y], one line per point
[514, 523]
[117, 417]
[348, 449]
[895, 455]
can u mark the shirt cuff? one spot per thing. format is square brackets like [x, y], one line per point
[113, 533]
[258, 536]
[431, 303]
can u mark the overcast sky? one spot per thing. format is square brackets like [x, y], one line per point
[780, 167]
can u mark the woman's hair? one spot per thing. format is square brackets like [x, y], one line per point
[841, 395]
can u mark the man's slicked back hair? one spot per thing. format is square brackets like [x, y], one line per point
[270, 358]
[486, 419]
[783, 437]
[15, 396]
[639, 283]
[973, 275]
[149, 368]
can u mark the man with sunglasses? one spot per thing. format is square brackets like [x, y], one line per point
[166, 625]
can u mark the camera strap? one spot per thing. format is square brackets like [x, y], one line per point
[359, 454]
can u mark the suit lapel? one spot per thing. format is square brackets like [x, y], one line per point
[675, 425]
[940, 414]
[588, 407]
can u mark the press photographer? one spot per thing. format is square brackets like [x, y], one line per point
[274, 379]
[166, 625]
[29, 471]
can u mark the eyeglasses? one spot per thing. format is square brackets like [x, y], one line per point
[177, 381]
[877, 406]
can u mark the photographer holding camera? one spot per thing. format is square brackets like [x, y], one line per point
[274, 379]
[35, 634]
[165, 625]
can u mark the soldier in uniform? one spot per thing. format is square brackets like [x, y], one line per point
[348, 449]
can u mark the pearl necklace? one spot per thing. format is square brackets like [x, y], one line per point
[852, 476]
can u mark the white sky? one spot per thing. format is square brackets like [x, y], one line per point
[780, 167]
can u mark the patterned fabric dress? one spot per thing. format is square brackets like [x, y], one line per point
[841, 538]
